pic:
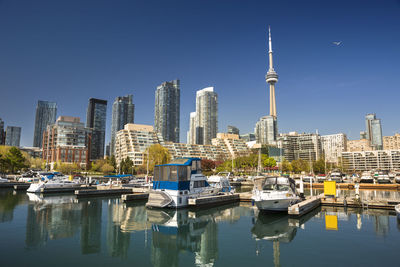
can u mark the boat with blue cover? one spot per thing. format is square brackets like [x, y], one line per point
[176, 182]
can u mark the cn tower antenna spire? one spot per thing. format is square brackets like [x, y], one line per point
[271, 78]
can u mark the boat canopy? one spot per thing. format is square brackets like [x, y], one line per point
[274, 183]
[179, 170]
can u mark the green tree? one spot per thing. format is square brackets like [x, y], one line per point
[319, 166]
[157, 155]
[16, 161]
[127, 166]
[269, 162]
[111, 161]
[300, 165]
[107, 168]
[286, 166]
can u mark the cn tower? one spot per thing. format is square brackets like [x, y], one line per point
[271, 78]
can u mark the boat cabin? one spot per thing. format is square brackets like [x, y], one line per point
[178, 175]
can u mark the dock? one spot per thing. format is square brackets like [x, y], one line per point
[305, 206]
[134, 197]
[102, 192]
[66, 189]
[20, 187]
[213, 200]
[362, 186]
[12, 184]
[387, 204]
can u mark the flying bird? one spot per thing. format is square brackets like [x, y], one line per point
[337, 43]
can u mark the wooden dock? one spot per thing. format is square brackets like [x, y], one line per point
[213, 200]
[102, 192]
[387, 204]
[11, 184]
[305, 206]
[20, 187]
[362, 186]
[134, 197]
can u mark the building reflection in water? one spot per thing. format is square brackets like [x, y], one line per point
[174, 231]
[91, 226]
[53, 217]
[8, 203]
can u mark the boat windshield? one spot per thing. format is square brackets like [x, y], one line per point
[276, 187]
[279, 184]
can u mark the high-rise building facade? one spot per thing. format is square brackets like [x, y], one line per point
[374, 131]
[305, 146]
[96, 120]
[2, 133]
[232, 130]
[206, 115]
[191, 134]
[67, 140]
[123, 112]
[167, 110]
[371, 160]
[46, 113]
[13, 136]
[266, 129]
[333, 146]
[391, 142]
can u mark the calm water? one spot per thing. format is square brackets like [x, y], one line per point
[63, 231]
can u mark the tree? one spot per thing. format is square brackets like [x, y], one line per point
[126, 166]
[300, 165]
[207, 166]
[68, 168]
[107, 168]
[286, 166]
[319, 166]
[15, 160]
[157, 155]
[269, 162]
[111, 161]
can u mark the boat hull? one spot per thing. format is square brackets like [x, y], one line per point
[367, 181]
[276, 205]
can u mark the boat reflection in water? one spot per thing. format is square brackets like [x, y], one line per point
[174, 231]
[278, 228]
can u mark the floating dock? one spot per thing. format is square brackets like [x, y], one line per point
[387, 204]
[102, 192]
[12, 184]
[213, 200]
[305, 206]
[19, 187]
[362, 186]
[66, 189]
[134, 197]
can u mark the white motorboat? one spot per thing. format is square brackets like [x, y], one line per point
[382, 177]
[57, 183]
[366, 177]
[397, 208]
[308, 179]
[175, 183]
[3, 180]
[321, 178]
[336, 175]
[217, 178]
[274, 193]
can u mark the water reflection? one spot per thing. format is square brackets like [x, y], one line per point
[8, 203]
[174, 231]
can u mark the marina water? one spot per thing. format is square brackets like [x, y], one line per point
[60, 230]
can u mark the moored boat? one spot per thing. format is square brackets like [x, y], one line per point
[176, 182]
[274, 193]
[57, 183]
[366, 177]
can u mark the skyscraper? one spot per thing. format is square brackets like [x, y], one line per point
[233, 130]
[206, 115]
[266, 129]
[167, 110]
[374, 131]
[191, 134]
[2, 132]
[123, 112]
[96, 120]
[46, 113]
[13, 136]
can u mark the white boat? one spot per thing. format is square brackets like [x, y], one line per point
[308, 179]
[221, 181]
[397, 208]
[274, 193]
[397, 178]
[336, 175]
[382, 177]
[3, 180]
[321, 178]
[217, 178]
[175, 183]
[366, 177]
[57, 183]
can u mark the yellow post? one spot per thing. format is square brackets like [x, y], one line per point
[330, 188]
[71, 177]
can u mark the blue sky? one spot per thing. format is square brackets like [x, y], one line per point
[69, 51]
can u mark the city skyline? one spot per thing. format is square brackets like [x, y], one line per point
[323, 86]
